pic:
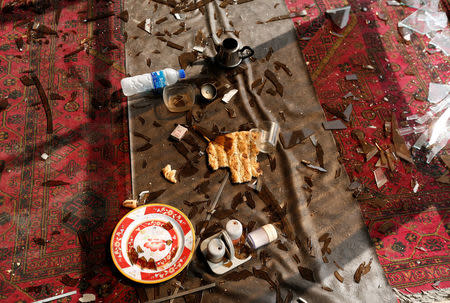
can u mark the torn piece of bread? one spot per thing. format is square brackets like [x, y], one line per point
[237, 151]
[169, 173]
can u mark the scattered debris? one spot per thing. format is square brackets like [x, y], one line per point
[380, 177]
[339, 277]
[310, 165]
[340, 16]
[229, 95]
[361, 271]
[334, 125]
[351, 77]
[424, 22]
[146, 25]
[87, 298]
[368, 149]
[291, 138]
[273, 78]
[179, 132]
[169, 173]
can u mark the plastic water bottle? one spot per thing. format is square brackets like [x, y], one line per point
[150, 81]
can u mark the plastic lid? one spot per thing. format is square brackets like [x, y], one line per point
[271, 232]
[182, 74]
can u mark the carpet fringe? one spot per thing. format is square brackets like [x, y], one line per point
[431, 296]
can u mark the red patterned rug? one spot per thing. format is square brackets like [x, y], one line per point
[411, 232]
[57, 214]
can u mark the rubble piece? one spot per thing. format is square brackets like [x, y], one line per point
[390, 159]
[178, 133]
[340, 16]
[438, 92]
[424, 22]
[161, 20]
[382, 162]
[351, 77]
[368, 66]
[446, 160]
[393, 3]
[420, 129]
[45, 103]
[399, 143]
[442, 41]
[186, 59]
[146, 25]
[87, 298]
[382, 17]
[273, 78]
[428, 5]
[380, 177]
[257, 83]
[415, 185]
[444, 179]
[333, 111]
[231, 112]
[310, 165]
[174, 45]
[269, 54]
[339, 277]
[199, 49]
[260, 89]
[313, 140]
[361, 271]
[368, 149]
[387, 128]
[405, 33]
[348, 95]
[19, 43]
[57, 297]
[184, 293]
[256, 185]
[334, 125]
[229, 95]
[169, 173]
[355, 185]
[412, 117]
[291, 138]
[405, 131]
[124, 16]
[179, 16]
[348, 112]
[283, 66]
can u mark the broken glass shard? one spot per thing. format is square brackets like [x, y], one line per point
[429, 5]
[289, 139]
[340, 15]
[424, 22]
[438, 92]
[347, 112]
[334, 125]
[351, 77]
[380, 177]
[442, 41]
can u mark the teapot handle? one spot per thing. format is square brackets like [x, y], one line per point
[250, 53]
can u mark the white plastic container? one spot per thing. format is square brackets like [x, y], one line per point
[147, 82]
[216, 250]
[234, 230]
[262, 236]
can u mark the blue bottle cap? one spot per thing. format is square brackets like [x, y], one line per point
[182, 74]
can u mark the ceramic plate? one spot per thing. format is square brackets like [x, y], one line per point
[152, 243]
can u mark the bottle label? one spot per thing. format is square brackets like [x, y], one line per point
[159, 80]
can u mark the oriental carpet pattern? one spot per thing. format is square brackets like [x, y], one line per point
[411, 232]
[57, 214]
